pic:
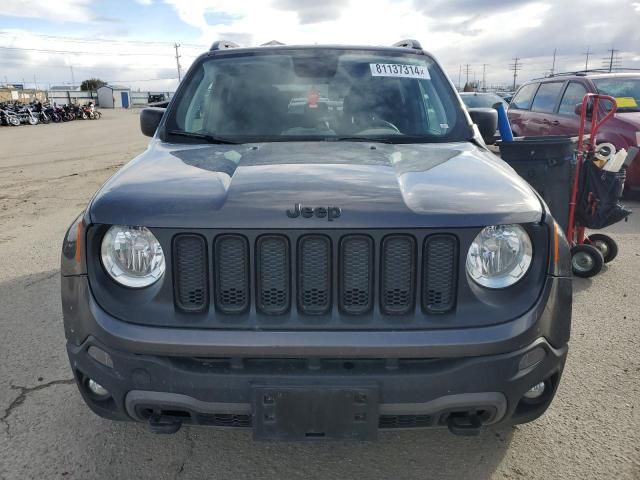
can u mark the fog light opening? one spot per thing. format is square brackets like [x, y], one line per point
[536, 391]
[97, 390]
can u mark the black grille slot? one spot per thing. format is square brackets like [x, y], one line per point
[398, 274]
[273, 267]
[314, 274]
[405, 421]
[356, 279]
[190, 271]
[224, 420]
[440, 273]
[232, 273]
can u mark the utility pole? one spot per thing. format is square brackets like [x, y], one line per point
[612, 60]
[467, 68]
[73, 79]
[459, 77]
[515, 66]
[35, 82]
[484, 77]
[586, 62]
[553, 65]
[176, 46]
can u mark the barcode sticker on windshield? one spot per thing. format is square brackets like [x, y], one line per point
[399, 70]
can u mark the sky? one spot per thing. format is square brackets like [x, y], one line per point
[55, 42]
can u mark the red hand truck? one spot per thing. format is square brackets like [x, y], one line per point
[589, 253]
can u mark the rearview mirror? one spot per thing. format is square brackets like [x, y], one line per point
[487, 121]
[150, 118]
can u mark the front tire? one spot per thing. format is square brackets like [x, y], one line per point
[586, 261]
[607, 246]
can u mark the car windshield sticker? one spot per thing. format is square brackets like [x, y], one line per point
[399, 70]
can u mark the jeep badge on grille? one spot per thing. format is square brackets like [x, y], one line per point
[331, 213]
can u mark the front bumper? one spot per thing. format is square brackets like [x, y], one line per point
[422, 378]
[412, 393]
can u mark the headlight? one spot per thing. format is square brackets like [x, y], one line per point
[499, 256]
[132, 256]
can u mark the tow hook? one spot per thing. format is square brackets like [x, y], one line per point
[166, 425]
[466, 425]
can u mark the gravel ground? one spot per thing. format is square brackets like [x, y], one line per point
[592, 429]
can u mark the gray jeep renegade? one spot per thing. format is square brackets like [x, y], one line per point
[317, 245]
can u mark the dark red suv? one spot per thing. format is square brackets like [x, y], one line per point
[548, 107]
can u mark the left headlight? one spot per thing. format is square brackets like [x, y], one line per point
[499, 256]
[132, 256]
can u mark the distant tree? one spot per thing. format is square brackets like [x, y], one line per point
[92, 84]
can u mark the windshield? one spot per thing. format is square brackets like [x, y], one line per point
[621, 87]
[318, 94]
[486, 100]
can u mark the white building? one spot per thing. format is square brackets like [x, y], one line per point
[114, 96]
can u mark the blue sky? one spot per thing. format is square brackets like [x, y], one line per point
[131, 41]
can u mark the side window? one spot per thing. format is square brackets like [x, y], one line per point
[522, 100]
[547, 97]
[572, 95]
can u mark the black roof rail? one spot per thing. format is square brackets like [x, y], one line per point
[272, 43]
[408, 44]
[584, 73]
[223, 45]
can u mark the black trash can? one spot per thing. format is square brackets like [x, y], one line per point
[547, 163]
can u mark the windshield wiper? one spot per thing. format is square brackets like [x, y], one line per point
[358, 139]
[202, 136]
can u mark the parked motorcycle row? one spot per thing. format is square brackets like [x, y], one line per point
[16, 113]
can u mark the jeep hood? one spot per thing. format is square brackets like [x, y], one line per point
[375, 185]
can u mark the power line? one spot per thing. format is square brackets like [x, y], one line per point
[515, 66]
[75, 52]
[99, 40]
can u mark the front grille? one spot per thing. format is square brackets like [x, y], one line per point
[190, 270]
[356, 261]
[440, 260]
[333, 279]
[314, 280]
[273, 273]
[232, 273]
[398, 274]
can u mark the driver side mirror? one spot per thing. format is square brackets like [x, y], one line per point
[487, 121]
[578, 109]
[150, 118]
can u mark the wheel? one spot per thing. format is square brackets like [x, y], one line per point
[33, 121]
[586, 260]
[607, 246]
[13, 120]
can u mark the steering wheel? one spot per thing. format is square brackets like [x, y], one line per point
[382, 122]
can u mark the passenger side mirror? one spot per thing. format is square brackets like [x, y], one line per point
[487, 121]
[578, 109]
[150, 119]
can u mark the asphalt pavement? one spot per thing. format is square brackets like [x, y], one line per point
[47, 175]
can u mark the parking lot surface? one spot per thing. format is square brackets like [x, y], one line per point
[48, 174]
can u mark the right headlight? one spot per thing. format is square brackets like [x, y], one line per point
[499, 256]
[132, 256]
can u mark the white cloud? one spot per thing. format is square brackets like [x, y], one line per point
[146, 3]
[53, 10]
